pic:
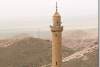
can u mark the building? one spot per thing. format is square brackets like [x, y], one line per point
[56, 30]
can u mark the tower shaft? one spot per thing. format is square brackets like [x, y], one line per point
[56, 30]
[56, 49]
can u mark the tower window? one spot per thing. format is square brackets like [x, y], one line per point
[57, 23]
[56, 62]
[56, 35]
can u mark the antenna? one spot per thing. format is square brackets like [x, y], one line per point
[56, 6]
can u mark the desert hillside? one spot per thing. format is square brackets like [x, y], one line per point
[79, 39]
[79, 49]
[28, 51]
[88, 60]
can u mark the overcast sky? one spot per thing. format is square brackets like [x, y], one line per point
[29, 14]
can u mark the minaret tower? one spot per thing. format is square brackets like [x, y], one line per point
[56, 30]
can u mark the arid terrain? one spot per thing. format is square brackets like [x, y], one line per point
[79, 49]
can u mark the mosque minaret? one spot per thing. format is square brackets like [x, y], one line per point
[56, 30]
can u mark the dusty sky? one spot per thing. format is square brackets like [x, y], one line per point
[31, 14]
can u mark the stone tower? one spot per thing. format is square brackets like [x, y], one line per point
[56, 30]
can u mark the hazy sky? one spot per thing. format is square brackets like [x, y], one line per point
[28, 14]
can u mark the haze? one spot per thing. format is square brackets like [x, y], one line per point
[30, 14]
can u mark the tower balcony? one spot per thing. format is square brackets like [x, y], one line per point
[56, 28]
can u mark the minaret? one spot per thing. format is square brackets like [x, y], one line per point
[56, 30]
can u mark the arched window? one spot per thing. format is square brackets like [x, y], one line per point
[57, 23]
[56, 34]
[56, 63]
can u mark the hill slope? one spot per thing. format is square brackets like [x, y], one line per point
[27, 52]
[88, 60]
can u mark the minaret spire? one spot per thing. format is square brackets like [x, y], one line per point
[56, 6]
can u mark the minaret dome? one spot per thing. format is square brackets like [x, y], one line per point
[56, 17]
